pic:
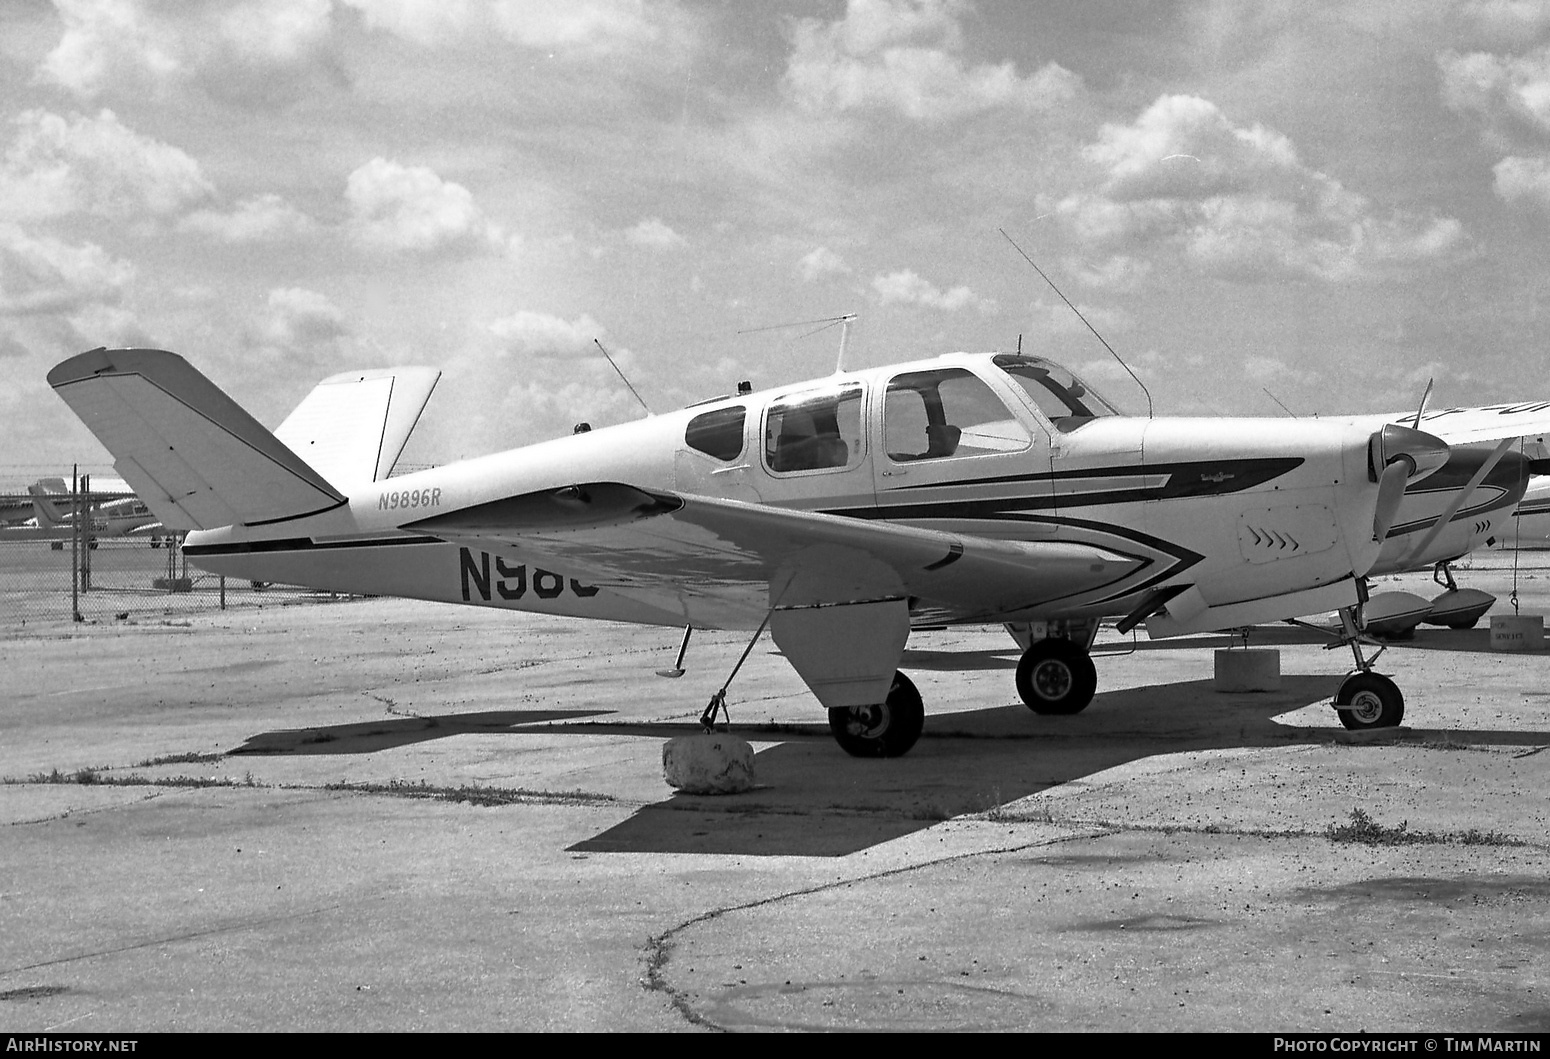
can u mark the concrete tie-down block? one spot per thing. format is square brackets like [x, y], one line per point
[709, 763]
[1241, 669]
[1517, 632]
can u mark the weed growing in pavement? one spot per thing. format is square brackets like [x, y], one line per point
[1366, 831]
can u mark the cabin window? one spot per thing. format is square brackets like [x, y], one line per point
[931, 415]
[814, 431]
[1057, 393]
[718, 433]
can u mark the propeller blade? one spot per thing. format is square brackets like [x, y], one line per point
[1391, 492]
[1419, 412]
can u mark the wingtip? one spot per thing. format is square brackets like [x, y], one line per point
[102, 360]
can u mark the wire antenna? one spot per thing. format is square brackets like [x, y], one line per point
[826, 322]
[1278, 401]
[1084, 320]
[626, 382]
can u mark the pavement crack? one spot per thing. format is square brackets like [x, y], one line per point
[658, 950]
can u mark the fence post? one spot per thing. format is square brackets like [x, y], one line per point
[75, 534]
[84, 529]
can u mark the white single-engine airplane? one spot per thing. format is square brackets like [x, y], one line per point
[120, 517]
[971, 488]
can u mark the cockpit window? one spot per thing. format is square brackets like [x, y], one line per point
[931, 415]
[814, 431]
[1058, 393]
[718, 433]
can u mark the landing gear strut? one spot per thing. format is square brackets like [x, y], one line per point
[1366, 700]
[885, 729]
[1056, 676]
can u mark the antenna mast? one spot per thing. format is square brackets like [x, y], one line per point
[626, 382]
[1084, 320]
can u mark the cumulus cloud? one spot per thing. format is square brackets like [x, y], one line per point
[1237, 202]
[652, 232]
[1056, 318]
[821, 262]
[42, 275]
[296, 325]
[296, 315]
[1117, 273]
[1504, 22]
[1524, 180]
[57, 166]
[1510, 94]
[542, 335]
[552, 377]
[578, 27]
[905, 287]
[903, 56]
[411, 208]
[258, 52]
[262, 219]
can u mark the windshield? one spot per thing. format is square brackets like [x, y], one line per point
[1057, 393]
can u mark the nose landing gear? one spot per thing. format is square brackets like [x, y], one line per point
[1366, 700]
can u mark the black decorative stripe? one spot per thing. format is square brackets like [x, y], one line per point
[292, 518]
[299, 544]
[1192, 478]
[954, 553]
[1183, 480]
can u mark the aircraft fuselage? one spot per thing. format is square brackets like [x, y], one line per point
[1242, 509]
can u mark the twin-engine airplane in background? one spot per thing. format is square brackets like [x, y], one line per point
[971, 488]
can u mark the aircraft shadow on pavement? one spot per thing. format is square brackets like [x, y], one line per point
[366, 737]
[815, 801]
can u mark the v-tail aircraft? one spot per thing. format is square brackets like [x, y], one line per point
[838, 513]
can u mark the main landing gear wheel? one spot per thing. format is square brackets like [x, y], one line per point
[1056, 676]
[1369, 700]
[886, 729]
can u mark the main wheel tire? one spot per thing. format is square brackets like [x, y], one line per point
[1369, 700]
[1056, 676]
[886, 729]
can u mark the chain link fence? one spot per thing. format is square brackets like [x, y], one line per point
[118, 579]
[65, 570]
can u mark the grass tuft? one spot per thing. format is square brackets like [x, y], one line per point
[1364, 830]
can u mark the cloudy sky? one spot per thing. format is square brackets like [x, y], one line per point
[1331, 201]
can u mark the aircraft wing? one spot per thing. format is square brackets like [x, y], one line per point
[745, 558]
[1463, 426]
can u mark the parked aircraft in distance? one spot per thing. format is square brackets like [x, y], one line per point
[122, 517]
[18, 510]
[1528, 524]
[840, 513]
[112, 514]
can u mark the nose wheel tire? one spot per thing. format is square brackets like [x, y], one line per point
[1056, 676]
[1369, 700]
[885, 729]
